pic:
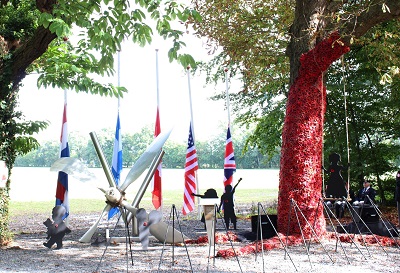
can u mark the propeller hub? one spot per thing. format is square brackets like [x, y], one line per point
[114, 196]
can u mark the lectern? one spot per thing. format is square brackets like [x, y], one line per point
[209, 210]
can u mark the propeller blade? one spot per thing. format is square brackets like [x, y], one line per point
[173, 236]
[145, 221]
[89, 233]
[73, 167]
[145, 159]
[157, 228]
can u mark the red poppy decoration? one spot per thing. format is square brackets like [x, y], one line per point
[275, 243]
[301, 155]
[219, 238]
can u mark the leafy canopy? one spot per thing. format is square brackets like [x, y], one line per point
[101, 27]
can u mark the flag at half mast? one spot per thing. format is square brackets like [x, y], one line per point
[191, 166]
[156, 182]
[62, 180]
[229, 162]
[116, 166]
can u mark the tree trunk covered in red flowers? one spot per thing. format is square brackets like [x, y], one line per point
[310, 56]
[300, 175]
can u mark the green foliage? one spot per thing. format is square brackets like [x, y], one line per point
[210, 152]
[5, 234]
[372, 109]
[18, 22]
[253, 38]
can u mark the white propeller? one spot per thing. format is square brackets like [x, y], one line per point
[78, 170]
[74, 167]
[145, 159]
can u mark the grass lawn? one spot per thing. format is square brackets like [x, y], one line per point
[242, 196]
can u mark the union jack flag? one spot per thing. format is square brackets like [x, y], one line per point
[191, 166]
[229, 162]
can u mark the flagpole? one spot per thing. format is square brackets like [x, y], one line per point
[119, 75]
[158, 113]
[157, 82]
[190, 104]
[227, 96]
[65, 104]
[194, 139]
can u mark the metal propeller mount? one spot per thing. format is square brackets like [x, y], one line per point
[115, 195]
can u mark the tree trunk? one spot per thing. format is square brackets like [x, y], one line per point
[301, 157]
[13, 71]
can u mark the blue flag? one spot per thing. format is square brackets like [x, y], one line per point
[116, 167]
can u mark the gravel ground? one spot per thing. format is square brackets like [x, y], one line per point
[27, 253]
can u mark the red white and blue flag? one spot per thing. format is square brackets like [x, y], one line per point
[116, 166]
[62, 181]
[229, 162]
[156, 182]
[191, 166]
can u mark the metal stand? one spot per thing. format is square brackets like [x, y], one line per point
[259, 230]
[354, 212]
[297, 211]
[211, 241]
[377, 210]
[227, 234]
[127, 241]
[172, 214]
[329, 212]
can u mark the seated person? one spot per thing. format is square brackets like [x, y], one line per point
[367, 190]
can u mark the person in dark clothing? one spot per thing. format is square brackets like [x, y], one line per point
[397, 194]
[210, 193]
[336, 187]
[228, 205]
[367, 190]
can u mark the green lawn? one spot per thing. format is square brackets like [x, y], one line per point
[243, 196]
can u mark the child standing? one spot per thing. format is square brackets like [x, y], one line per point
[228, 205]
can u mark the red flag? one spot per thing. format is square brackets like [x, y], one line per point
[229, 162]
[191, 166]
[156, 192]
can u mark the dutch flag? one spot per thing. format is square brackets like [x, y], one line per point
[62, 181]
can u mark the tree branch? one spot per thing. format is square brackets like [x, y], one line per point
[29, 52]
[359, 25]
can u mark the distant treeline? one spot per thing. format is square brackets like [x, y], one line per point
[210, 153]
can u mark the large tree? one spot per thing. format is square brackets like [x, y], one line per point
[320, 33]
[34, 37]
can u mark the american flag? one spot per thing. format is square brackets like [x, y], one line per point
[191, 166]
[229, 162]
[156, 183]
[62, 181]
[116, 167]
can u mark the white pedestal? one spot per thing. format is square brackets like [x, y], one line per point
[209, 217]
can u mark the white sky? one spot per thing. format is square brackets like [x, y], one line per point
[86, 112]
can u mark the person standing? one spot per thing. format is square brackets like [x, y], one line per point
[336, 186]
[228, 205]
[397, 195]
